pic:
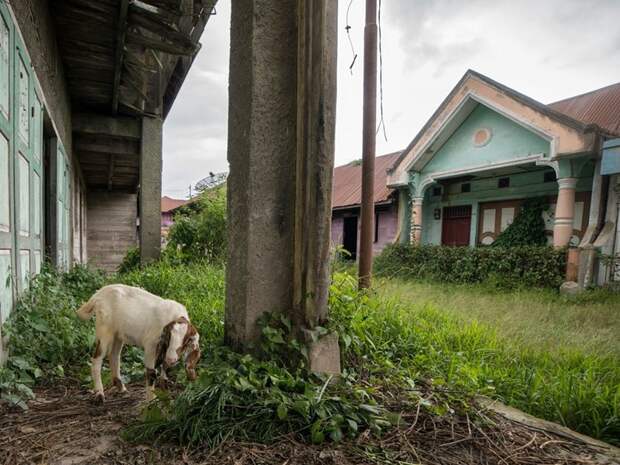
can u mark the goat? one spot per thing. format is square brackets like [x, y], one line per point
[133, 316]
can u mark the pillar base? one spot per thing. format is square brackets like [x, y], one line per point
[324, 355]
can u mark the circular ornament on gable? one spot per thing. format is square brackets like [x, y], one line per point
[482, 137]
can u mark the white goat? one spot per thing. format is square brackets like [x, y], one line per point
[130, 315]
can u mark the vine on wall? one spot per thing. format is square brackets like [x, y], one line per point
[528, 227]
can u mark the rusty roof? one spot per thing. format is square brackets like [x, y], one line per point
[600, 107]
[347, 183]
[168, 203]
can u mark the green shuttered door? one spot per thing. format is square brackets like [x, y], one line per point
[21, 167]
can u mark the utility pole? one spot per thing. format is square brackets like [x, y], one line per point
[368, 144]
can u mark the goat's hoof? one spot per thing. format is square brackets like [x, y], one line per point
[118, 384]
[99, 398]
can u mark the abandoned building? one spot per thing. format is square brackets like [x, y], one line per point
[168, 208]
[84, 89]
[487, 148]
[346, 201]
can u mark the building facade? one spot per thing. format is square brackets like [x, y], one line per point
[168, 208]
[84, 89]
[487, 148]
[346, 201]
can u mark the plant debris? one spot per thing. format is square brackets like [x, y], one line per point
[64, 427]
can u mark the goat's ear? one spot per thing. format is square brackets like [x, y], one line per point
[164, 342]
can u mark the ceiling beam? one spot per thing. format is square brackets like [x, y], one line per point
[120, 46]
[119, 126]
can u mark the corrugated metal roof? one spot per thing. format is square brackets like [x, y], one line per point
[600, 107]
[168, 203]
[347, 182]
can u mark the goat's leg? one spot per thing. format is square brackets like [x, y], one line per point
[115, 365]
[101, 350]
[150, 356]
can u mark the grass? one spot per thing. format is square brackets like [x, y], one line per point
[531, 349]
[537, 319]
[553, 358]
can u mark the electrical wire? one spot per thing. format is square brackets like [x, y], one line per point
[381, 120]
[348, 29]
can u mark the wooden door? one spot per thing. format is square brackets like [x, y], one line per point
[494, 218]
[349, 236]
[456, 225]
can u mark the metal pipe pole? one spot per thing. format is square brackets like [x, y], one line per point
[368, 145]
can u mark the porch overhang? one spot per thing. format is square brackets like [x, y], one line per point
[123, 60]
[567, 137]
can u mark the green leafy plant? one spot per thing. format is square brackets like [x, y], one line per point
[45, 314]
[131, 261]
[527, 228]
[199, 229]
[260, 399]
[509, 267]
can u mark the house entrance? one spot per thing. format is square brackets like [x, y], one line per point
[456, 225]
[349, 236]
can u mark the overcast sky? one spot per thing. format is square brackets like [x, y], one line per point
[546, 49]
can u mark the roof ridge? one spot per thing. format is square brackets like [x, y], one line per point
[391, 154]
[584, 93]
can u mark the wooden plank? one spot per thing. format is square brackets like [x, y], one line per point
[95, 124]
[105, 145]
[175, 48]
[120, 45]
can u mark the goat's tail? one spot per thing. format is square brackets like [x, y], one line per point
[85, 312]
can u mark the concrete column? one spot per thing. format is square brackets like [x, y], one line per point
[150, 189]
[416, 220]
[564, 212]
[280, 149]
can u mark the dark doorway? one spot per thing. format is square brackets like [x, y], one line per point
[349, 236]
[456, 226]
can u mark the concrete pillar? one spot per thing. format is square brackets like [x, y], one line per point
[150, 189]
[282, 103]
[564, 212]
[416, 220]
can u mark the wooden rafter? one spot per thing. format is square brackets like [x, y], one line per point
[120, 46]
[173, 46]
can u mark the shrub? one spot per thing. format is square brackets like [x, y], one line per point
[46, 339]
[131, 260]
[527, 228]
[199, 229]
[505, 267]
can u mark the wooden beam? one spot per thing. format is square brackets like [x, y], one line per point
[172, 5]
[174, 48]
[120, 126]
[120, 45]
[177, 77]
[105, 144]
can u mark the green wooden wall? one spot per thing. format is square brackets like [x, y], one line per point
[22, 214]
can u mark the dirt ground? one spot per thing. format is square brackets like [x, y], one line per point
[64, 427]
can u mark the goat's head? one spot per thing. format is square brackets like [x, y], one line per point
[179, 338]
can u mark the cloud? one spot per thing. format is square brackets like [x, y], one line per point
[195, 131]
[547, 49]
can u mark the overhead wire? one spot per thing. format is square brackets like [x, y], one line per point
[381, 120]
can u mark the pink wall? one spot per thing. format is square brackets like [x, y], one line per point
[388, 226]
[166, 219]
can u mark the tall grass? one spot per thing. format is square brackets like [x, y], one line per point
[385, 335]
[574, 387]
